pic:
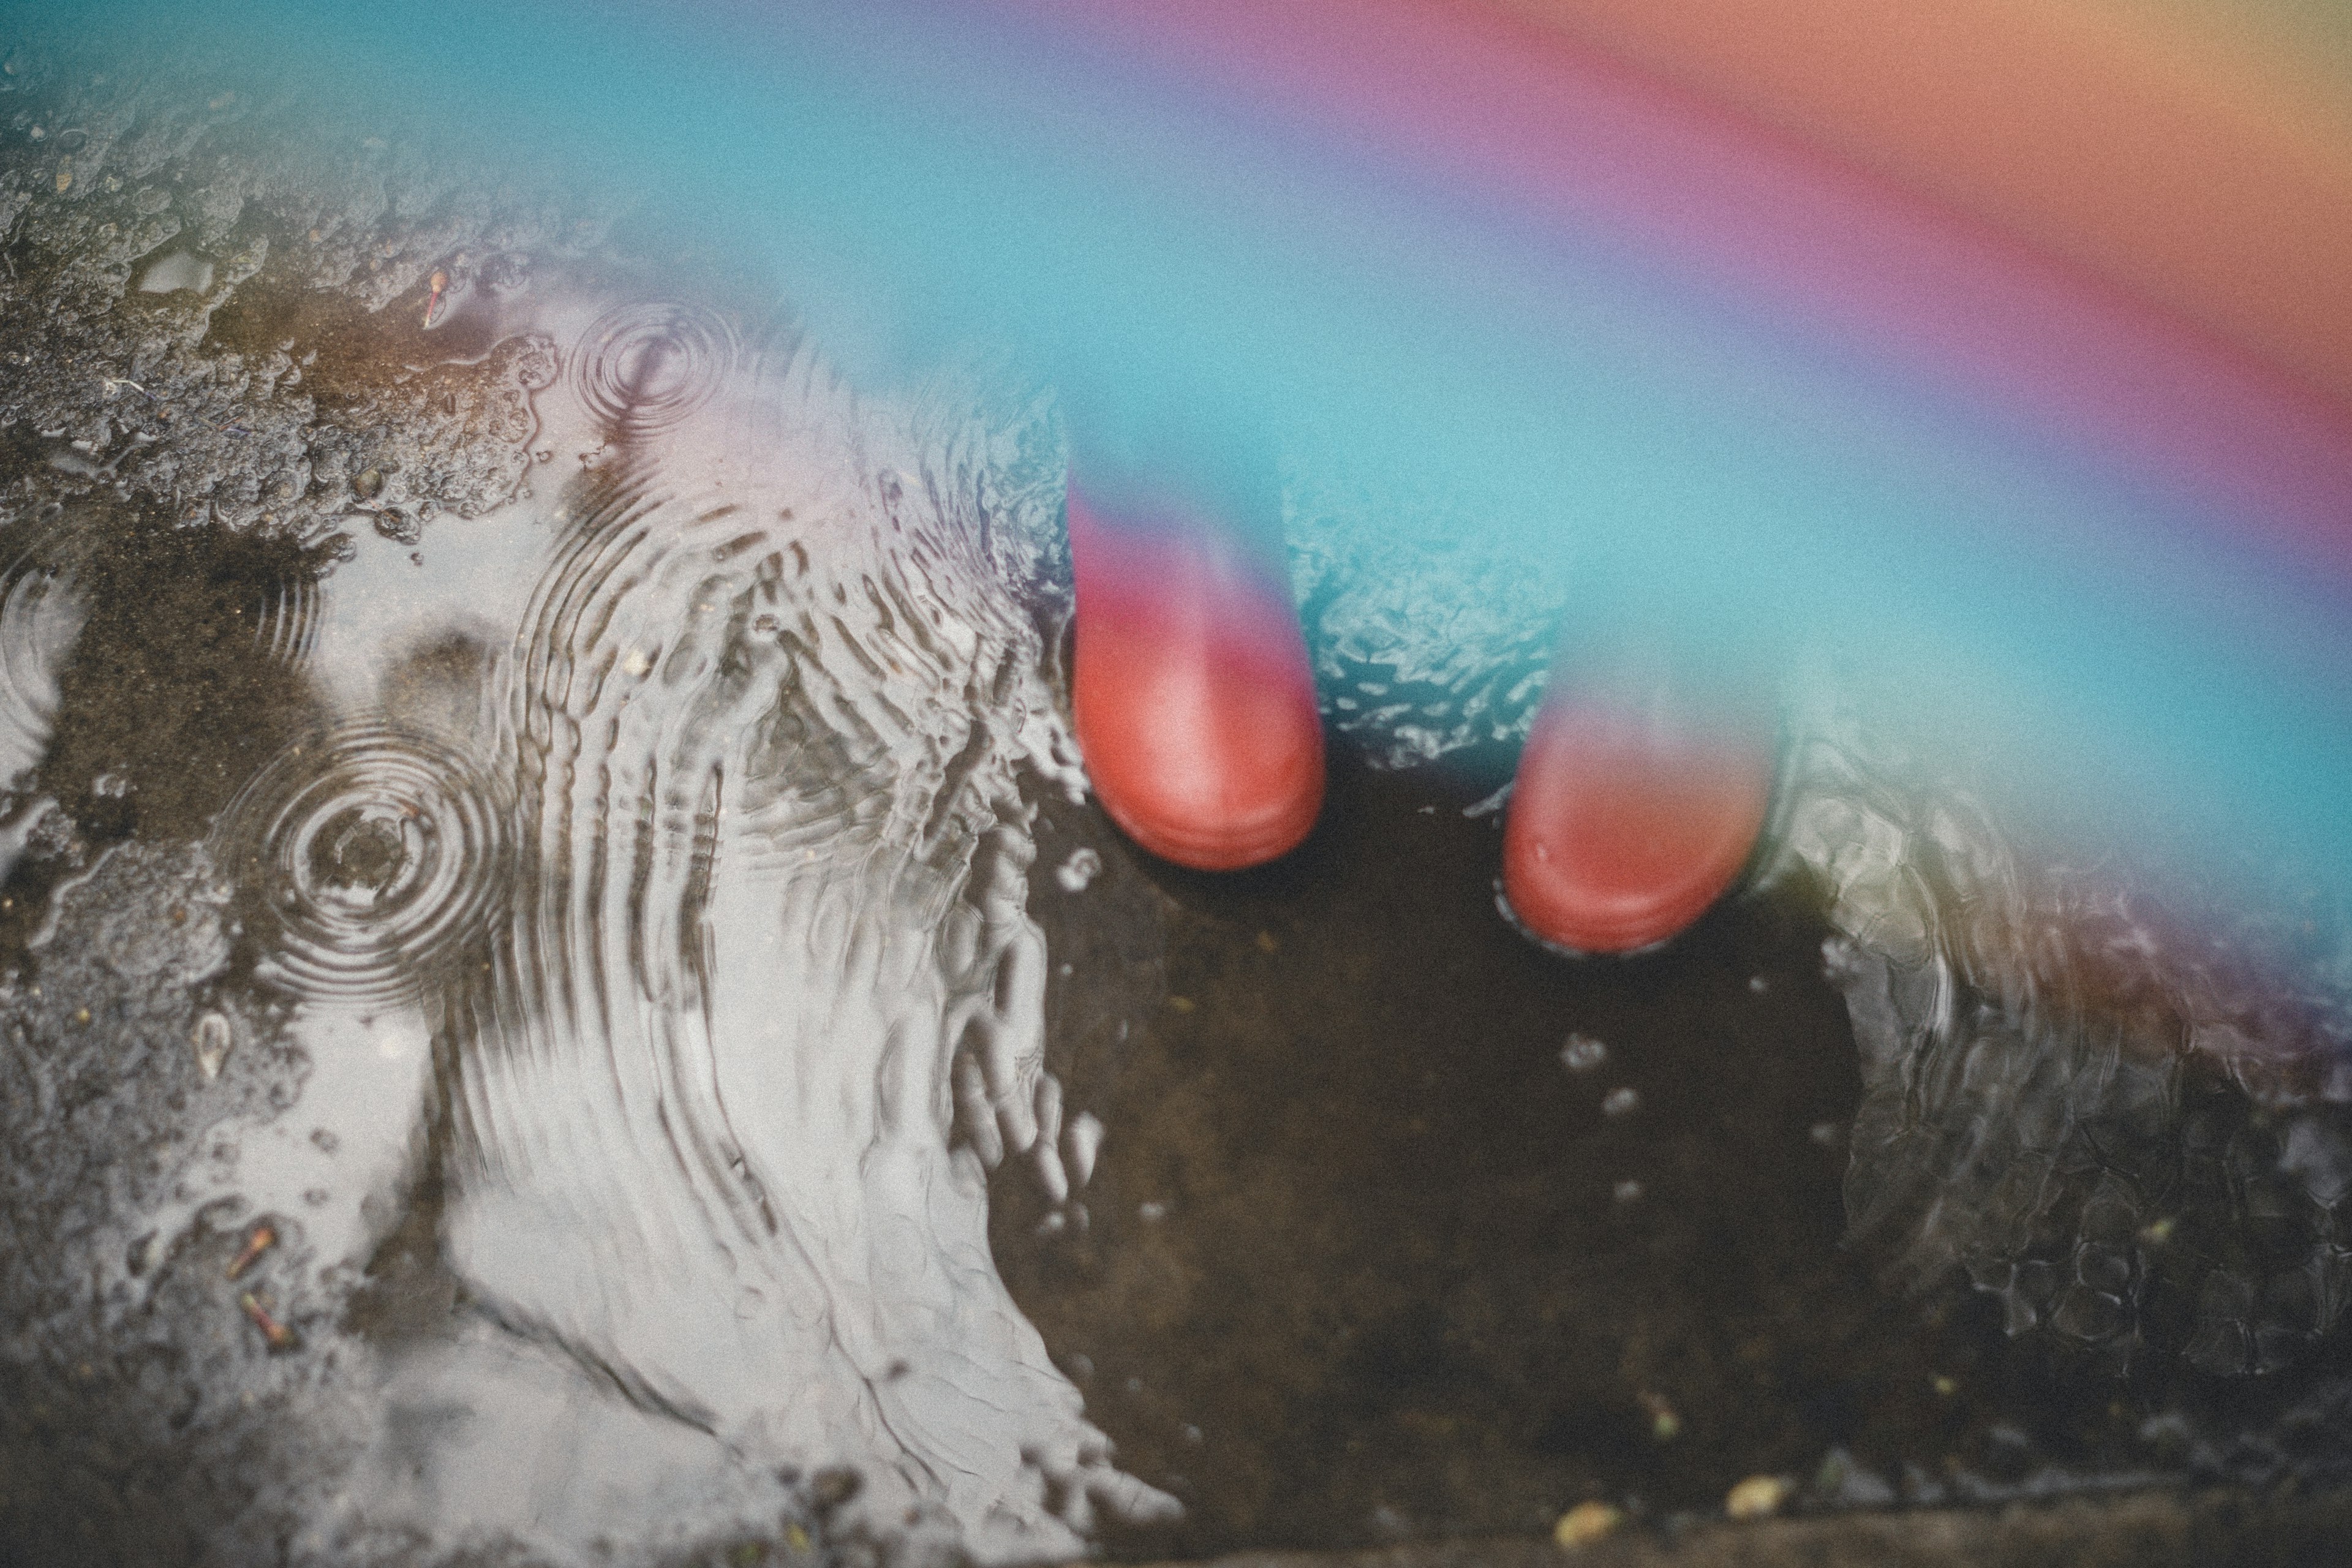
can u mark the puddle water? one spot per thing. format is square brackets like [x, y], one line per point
[564, 998]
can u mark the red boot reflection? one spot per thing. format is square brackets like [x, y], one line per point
[1635, 807]
[1192, 699]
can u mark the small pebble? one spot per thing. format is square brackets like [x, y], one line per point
[1586, 1523]
[1758, 1496]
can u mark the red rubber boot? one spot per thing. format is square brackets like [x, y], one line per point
[1192, 699]
[1634, 809]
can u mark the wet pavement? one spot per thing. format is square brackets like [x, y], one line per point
[563, 1000]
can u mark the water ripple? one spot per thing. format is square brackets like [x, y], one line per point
[645, 368]
[41, 615]
[370, 859]
[767, 1003]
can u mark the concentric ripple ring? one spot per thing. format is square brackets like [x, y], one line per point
[371, 861]
[643, 368]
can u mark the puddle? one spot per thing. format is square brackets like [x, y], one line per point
[563, 1000]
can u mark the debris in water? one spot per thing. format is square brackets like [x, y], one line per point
[1082, 868]
[1582, 1053]
[1665, 1426]
[1842, 1482]
[1627, 1192]
[212, 1042]
[263, 1238]
[278, 1334]
[1491, 804]
[1621, 1101]
[65, 176]
[1084, 1139]
[1586, 1523]
[829, 1489]
[1758, 1496]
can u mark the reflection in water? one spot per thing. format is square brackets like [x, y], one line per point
[40, 616]
[766, 1001]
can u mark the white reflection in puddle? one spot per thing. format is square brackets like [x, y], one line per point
[759, 1004]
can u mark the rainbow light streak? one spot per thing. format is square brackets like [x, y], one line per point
[1742, 381]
